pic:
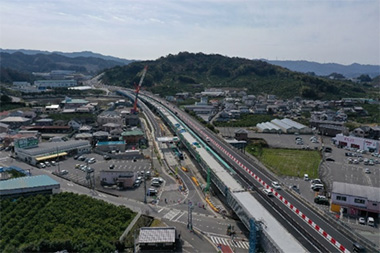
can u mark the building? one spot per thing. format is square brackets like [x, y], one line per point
[48, 84]
[4, 128]
[133, 137]
[268, 127]
[16, 122]
[123, 179]
[158, 239]
[355, 200]
[109, 117]
[45, 151]
[241, 135]
[369, 145]
[44, 122]
[52, 108]
[70, 103]
[32, 185]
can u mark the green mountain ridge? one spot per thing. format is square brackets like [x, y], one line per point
[195, 71]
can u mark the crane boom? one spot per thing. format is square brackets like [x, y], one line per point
[134, 110]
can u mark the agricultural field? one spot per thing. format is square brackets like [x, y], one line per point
[288, 162]
[65, 221]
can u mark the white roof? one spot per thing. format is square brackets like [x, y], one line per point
[293, 123]
[282, 124]
[52, 106]
[275, 230]
[157, 235]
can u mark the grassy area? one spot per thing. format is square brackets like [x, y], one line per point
[288, 162]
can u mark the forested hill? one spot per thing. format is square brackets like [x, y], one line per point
[47, 62]
[185, 71]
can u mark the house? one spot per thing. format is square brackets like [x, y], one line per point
[16, 122]
[241, 135]
[44, 122]
[74, 124]
[4, 128]
[70, 103]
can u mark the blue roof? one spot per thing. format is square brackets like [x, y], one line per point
[27, 182]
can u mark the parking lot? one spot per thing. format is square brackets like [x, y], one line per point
[76, 175]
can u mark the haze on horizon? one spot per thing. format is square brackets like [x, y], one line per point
[336, 31]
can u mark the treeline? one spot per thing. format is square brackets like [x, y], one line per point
[65, 221]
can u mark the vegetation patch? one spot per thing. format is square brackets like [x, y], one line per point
[50, 223]
[246, 120]
[287, 162]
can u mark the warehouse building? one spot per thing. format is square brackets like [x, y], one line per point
[287, 126]
[268, 127]
[45, 151]
[24, 186]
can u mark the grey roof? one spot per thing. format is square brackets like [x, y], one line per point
[27, 182]
[241, 131]
[368, 192]
[157, 235]
[14, 119]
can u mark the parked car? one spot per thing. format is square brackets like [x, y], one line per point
[89, 169]
[330, 159]
[82, 158]
[295, 188]
[53, 163]
[151, 192]
[91, 160]
[112, 166]
[155, 184]
[322, 200]
[160, 180]
[276, 185]
[306, 177]
[362, 220]
[317, 187]
[367, 171]
[64, 172]
[47, 164]
[137, 183]
[106, 157]
[268, 192]
[76, 157]
[316, 181]
[371, 221]
[41, 165]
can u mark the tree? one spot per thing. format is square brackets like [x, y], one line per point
[364, 78]
[5, 99]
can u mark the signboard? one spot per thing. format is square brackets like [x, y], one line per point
[26, 143]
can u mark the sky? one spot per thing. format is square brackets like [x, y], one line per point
[339, 31]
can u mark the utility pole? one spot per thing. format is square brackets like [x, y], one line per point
[56, 159]
[145, 201]
[190, 217]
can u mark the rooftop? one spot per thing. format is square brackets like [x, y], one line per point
[368, 192]
[27, 182]
[133, 132]
[157, 235]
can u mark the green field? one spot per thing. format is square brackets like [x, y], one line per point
[288, 162]
[49, 223]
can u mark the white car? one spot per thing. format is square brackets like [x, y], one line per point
[362, 221]
[276, 185]
[268, 192]
[367, 171]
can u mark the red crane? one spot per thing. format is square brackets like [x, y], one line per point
[138, 87]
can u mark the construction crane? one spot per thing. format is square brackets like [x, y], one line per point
[138, 87]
